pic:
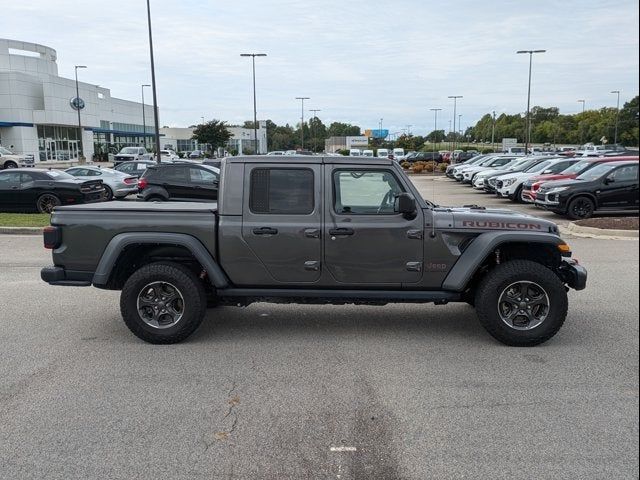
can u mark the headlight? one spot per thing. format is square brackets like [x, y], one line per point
[510, 181]
[557, 190]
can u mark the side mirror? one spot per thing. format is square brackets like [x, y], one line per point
[609, 180]
[405, 204]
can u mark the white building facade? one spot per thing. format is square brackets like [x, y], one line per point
[241, 141]
[37, 114]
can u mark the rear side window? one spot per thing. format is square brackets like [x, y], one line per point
[281, 191]
[175, 174]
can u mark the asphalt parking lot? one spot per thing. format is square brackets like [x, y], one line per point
[305, 392]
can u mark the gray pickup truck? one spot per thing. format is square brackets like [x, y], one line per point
[312, 229]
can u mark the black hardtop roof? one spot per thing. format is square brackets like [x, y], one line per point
[312, 159]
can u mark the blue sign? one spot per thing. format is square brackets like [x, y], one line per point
[380, 133]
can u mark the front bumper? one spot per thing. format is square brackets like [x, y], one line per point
[573, 274]
[62, 277]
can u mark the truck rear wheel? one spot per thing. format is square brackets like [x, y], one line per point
[163, 303]
[521, 303]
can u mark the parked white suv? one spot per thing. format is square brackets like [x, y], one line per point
[510, 185]
[128, 154]
[8, 159]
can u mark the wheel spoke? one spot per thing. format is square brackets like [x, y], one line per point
[523, 305]
[160, 304]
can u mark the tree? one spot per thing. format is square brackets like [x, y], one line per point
[338, 129]
[214, 133]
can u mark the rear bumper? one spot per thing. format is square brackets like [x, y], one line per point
[70, 278]
[573, 274]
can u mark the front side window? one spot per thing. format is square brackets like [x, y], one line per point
[363, 192]
[625, 174]
[288, 191]
[199, 175]
[7, 178]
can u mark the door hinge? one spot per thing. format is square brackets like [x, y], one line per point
[414, 266]
[312, 265]
[414, 234]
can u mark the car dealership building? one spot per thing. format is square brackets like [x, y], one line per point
[39, 116]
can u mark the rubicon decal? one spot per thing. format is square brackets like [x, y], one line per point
[501, 225]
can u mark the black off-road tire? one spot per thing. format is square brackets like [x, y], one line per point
[498, 279]
[185, 281]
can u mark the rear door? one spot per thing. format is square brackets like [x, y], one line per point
[281, 219]
[175, 180]
[622, 192]
[204, 182]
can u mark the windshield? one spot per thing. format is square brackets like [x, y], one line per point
[538, 167]
[4, 151]
[595, 172]
[58, 175]
[576, 168]
[129, 150]
[517, 164]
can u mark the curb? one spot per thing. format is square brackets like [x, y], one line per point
[21, 230]
[592, 232]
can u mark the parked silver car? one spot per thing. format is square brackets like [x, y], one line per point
[116, 184]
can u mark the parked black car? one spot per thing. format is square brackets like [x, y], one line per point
[29, 190]
[609, 187]
[423, 157]
[135, 168]
[179, 182]
[213, 162]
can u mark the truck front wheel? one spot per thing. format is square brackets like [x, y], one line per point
[163, 303]
[521, 303]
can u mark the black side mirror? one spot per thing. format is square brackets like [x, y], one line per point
[609, 180]
[405, 204]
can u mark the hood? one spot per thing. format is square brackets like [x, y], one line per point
[548, 178]
[560, 183]
[486, 219]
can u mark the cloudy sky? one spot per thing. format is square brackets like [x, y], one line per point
[358, 61]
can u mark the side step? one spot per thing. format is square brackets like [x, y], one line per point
[290, 295]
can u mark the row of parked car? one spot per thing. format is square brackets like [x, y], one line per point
[576, 187]
[41, 190]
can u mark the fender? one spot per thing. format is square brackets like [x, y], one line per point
[481, 248]
[120, 242]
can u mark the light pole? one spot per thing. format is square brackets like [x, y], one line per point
[153, 87]
[315, 117]
[144, 119]
[255, 113]
[581, 126]
[493, 132]
[615, 137]
[78, 105]
[435, 125]
[380, 130]
[528, 133]
[455, 100]
[460, 125]
[302, 99]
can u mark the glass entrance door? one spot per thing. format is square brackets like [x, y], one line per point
[50, 149]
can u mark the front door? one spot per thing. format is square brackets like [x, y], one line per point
[366, 242]
[281, 220]
[9, 189]
[622, 190]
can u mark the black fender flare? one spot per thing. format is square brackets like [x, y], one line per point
[459, 276]
[118, 243]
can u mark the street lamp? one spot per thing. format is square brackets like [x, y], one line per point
[435, 124]
[455, 99]
[615, 138]
[144, 120]
[255, 113]
[153, 87]
[581, 126]
[78, 105]
[313, 136]
[302, 99]
[528, 133]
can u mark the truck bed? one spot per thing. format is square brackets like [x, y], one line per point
[119, 206]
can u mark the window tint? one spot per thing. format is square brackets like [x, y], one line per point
[625, 174]
[280, 190]
[199, 175]
[7, 178]
[126, 167]
[175, 174]
[27, 180]
[364, 192]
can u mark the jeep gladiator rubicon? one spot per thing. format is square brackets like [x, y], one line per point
[312, 229]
